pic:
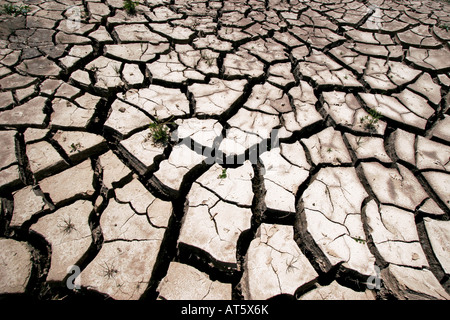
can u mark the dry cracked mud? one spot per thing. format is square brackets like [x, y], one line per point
[219, 149]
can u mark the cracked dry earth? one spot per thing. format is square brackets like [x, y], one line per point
[309, 150]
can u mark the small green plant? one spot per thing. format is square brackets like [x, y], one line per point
[159, 132]
[130, 6]
[445, 26]
[15, 10]
[223, 175]
[329, 150]
[370, 122]
[195, 23]
[116, 69]
[74, 147]
[290, 265]
[375, 114]
[359, 240]
[109, 271]
[359, 143]
[67, 226]
[209, 60]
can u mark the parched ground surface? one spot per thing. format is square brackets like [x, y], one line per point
[308, 152]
